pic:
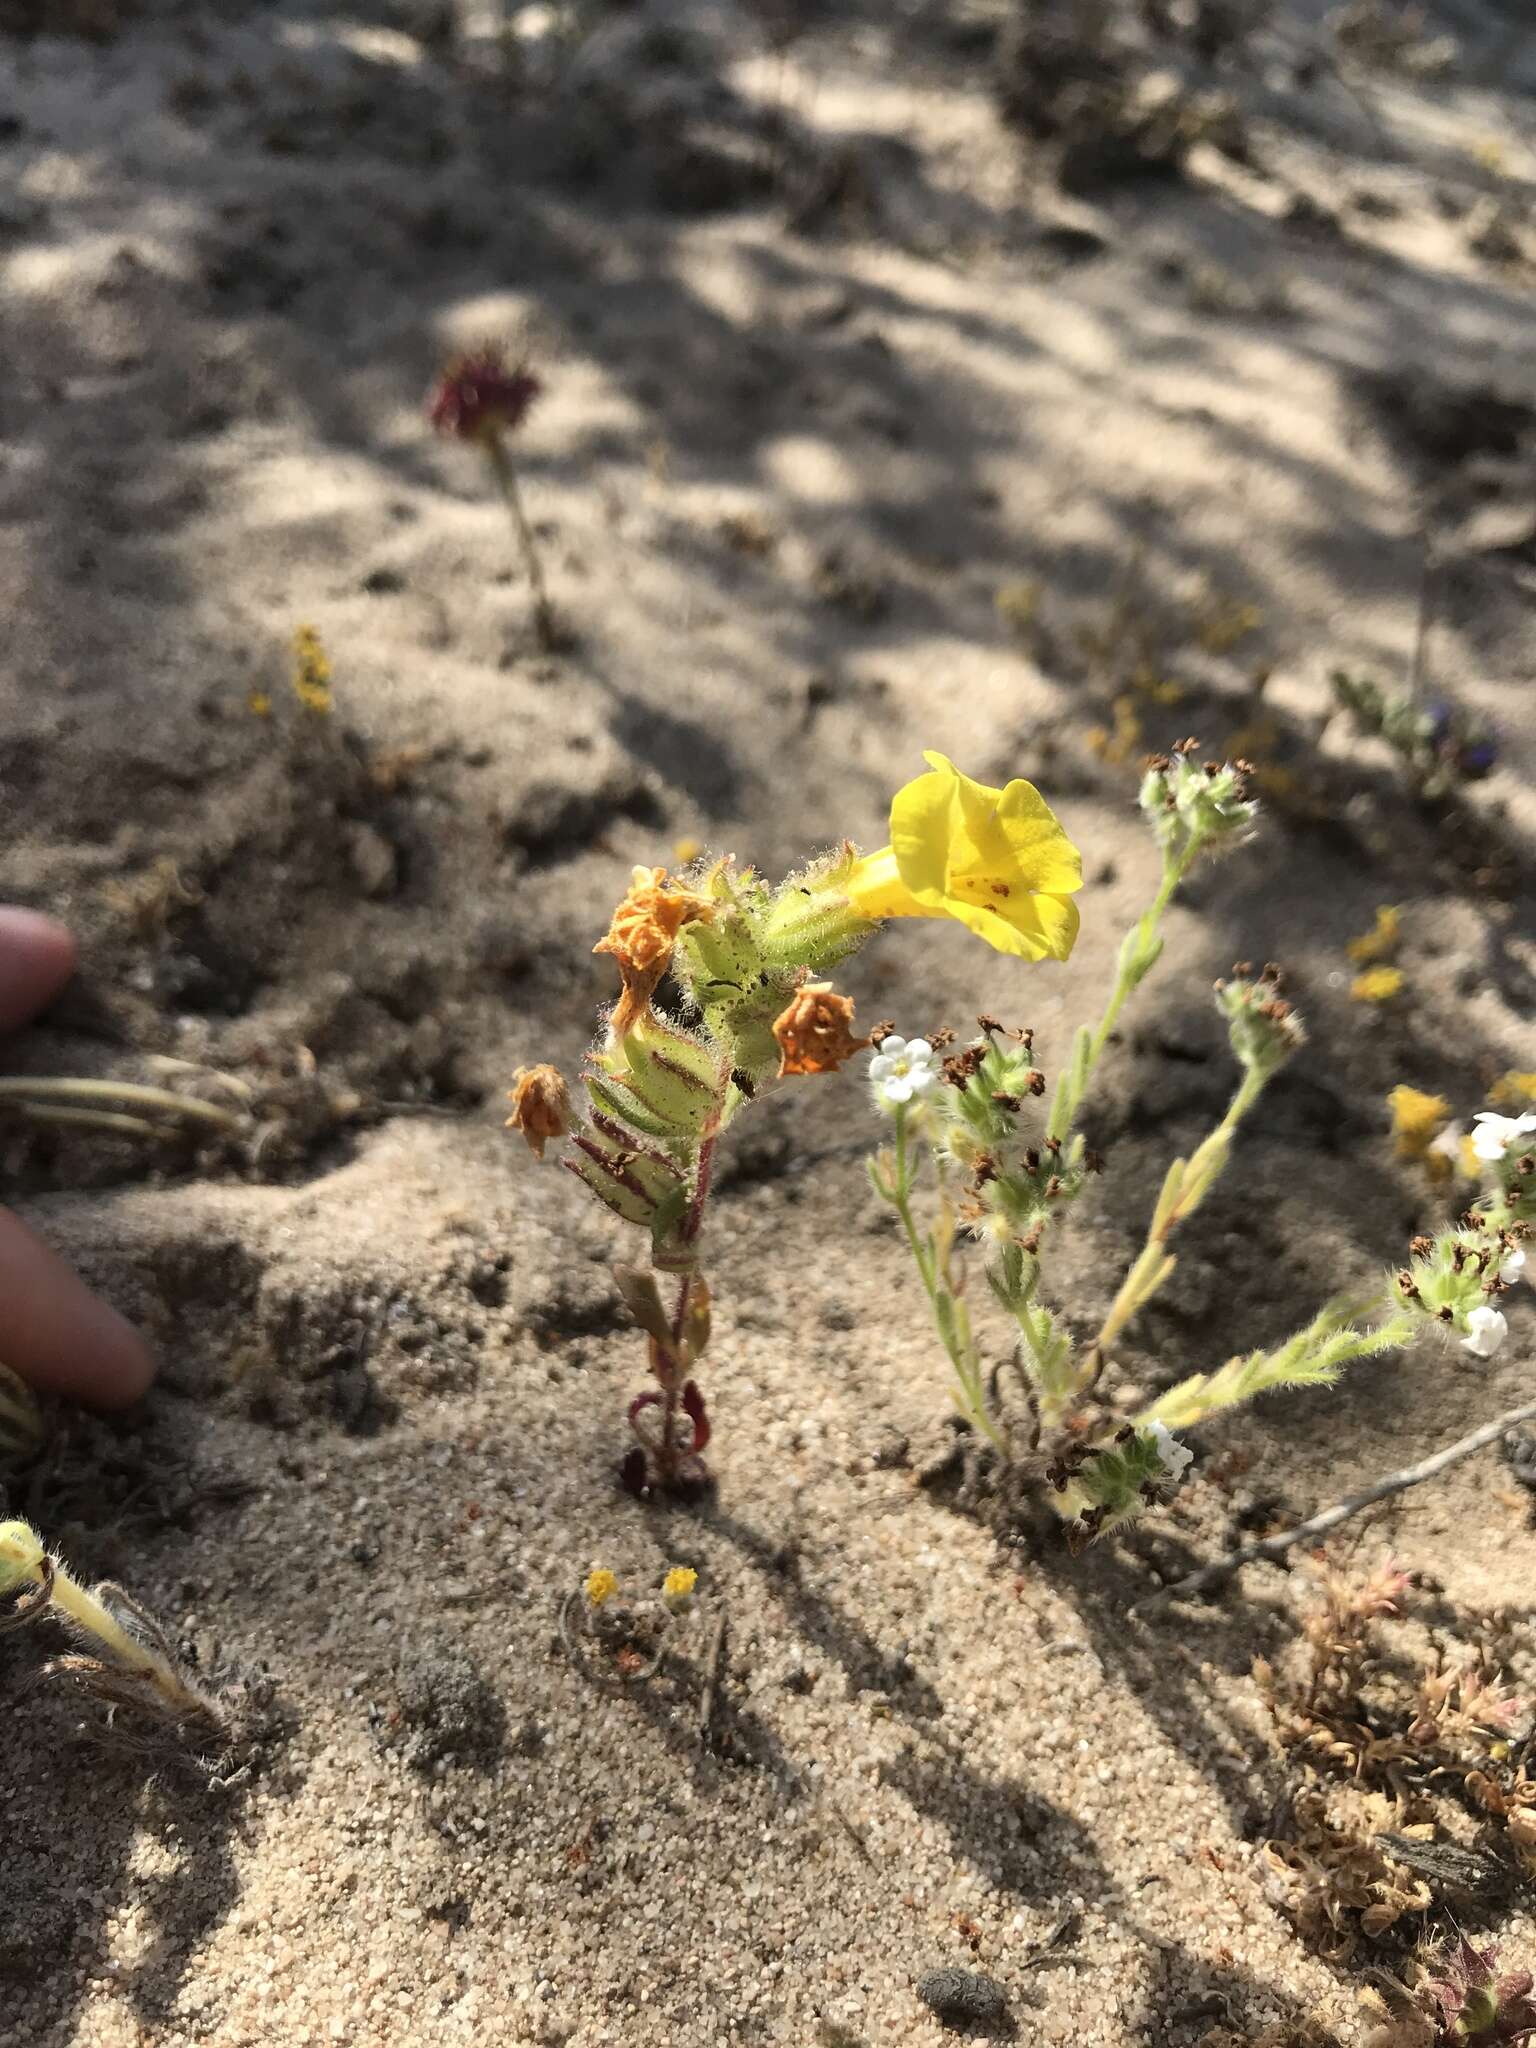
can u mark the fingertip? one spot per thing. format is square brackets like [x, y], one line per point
[57, 1335]
[37, 957]
[118, 1371]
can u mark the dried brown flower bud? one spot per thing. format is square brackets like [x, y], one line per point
[815, 1033]
[541, 1106]
[641, 935]
[960, 1066]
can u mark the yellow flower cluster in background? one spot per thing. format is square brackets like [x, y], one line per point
[1377, 985]
[1372, 951]
[1382, 940]
[1417, 1121]
[311, 672]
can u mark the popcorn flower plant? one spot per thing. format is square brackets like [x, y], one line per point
[983, 1161]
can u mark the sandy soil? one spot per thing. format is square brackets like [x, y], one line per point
[831, 360]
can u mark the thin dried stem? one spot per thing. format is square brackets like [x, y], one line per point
[28, 1091]
[1273, 1548]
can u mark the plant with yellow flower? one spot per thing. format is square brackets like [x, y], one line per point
[750, 962]
[988, 1168]
[1003, 1177]
[617, 1641]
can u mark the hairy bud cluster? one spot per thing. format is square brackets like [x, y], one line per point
[1194, 805]
[1456, 1279]
[1263, 1026]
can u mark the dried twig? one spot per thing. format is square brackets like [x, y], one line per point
[1273, 1548]
[47, 1095]
[714, 1671]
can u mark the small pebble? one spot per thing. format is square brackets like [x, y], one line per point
[961, 1996]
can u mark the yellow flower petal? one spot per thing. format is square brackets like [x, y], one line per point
[995, 860]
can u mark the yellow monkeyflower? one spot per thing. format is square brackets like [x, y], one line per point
[601, 1585]
[996, 860]
[1381, 941]
[1376, 985]
[677, 1588]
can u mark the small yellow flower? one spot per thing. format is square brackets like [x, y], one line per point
[1381, 941]
[1376, 985]
[996, 860]
[259, 704]
[677, 1588]
[1514, 1091]
[311, 672]
[1417, 1121]
[601, 1585]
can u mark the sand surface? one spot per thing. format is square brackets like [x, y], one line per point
[831, 361]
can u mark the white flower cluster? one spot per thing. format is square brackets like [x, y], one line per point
[1494, 1134]
[1486, 1330]
[904, 1070]
[1175, 1457]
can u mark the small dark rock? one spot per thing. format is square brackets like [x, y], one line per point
[446, 1710]
[962, 1997]
[1520, 1455]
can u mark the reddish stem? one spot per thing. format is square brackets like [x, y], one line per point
[693, 1223]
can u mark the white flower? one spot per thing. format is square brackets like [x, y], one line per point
[1513, 1266]
[1486, 1330]
[1495, 1134]
[903, 1068]
[1176, 1457]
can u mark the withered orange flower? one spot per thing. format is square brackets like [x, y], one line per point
[641, 935]
[815, 1034]
[541, 1106]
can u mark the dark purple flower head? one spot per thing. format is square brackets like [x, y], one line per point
[481, 395]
